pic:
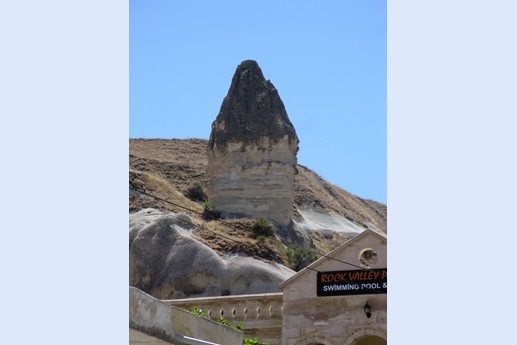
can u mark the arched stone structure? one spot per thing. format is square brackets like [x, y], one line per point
[366, 336]
[371, 340]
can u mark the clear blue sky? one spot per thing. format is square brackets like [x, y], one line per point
[327, 59]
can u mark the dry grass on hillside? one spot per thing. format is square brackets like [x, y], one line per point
[167, 167]
[228, 236]
[183, 161]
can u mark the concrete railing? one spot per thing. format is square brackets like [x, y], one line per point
[257, 307]
[259, 314]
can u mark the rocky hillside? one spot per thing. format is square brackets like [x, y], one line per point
[270, 216]
[178, 163]
[161, 171]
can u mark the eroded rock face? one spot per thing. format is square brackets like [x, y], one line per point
[252, 150]
[167, 263]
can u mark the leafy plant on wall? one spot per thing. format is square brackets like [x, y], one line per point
[198, 311]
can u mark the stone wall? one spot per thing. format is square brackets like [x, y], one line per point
[153, 322]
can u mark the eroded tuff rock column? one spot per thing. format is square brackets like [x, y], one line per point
[252, 150]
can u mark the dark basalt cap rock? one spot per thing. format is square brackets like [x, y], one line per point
[251, 110]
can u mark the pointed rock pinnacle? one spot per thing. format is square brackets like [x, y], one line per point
[251, 110]
[251, 156]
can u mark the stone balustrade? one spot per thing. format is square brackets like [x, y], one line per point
[242, 308]
[259, 314]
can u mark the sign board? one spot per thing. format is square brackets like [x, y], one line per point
[358, 282]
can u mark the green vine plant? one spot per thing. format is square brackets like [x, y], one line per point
[207, 205]
[198, 311]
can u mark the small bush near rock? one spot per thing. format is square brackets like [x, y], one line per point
[195, 192]
[208, 212]
[207, 205]
[262, 227]
[299, 257]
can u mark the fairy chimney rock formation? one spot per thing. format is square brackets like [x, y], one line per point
[252, 151]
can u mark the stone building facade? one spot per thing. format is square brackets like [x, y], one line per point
[305, 314]
[309, 319]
